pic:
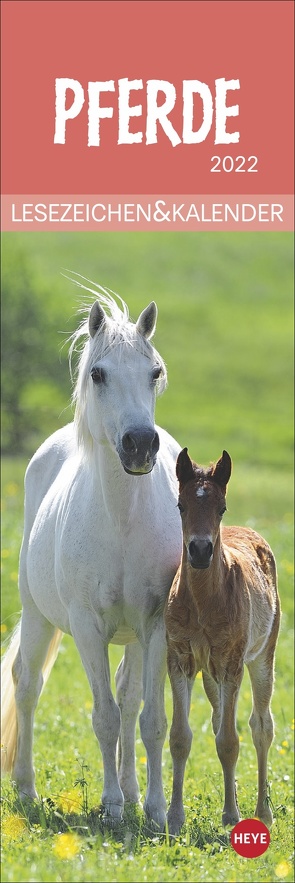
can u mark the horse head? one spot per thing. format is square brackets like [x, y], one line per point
[202, 494]
[120, 374]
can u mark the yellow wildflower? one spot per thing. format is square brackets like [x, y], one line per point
[70, 801]
[283, 869]
[66, 845]
[14, 827]
[288, 567]
[11, 489]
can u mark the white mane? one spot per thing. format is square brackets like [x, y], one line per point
[118, 331]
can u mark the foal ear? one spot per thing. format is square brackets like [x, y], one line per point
[184, 467]
[96, 318]
[146, 322]
[222, 470]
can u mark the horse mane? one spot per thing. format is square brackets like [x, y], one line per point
[118, 331]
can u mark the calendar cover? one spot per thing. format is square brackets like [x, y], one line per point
[147, 209]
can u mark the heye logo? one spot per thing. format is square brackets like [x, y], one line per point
[250, 838]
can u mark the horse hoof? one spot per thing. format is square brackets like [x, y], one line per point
[175, 823]
[112, 813]
[265, 816]
[27, 795]
[230, 818]
[156, 820]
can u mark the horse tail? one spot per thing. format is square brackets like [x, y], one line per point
[8, 706]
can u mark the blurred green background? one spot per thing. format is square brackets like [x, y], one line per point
[225, 330]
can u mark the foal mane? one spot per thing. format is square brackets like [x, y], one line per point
[117, 331]
[202, 473]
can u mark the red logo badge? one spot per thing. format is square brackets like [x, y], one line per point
[250, 838]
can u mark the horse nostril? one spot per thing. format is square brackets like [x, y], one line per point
[155, 443]
[129, 443]
[192, 548]
[210, 549]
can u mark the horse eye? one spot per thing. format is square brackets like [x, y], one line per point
[156, 373]
[97, 374]
[180, 507]
[222, 511]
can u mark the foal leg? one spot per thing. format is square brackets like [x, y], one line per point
[212, 690]
[106, 714]
[180, 739]
[227, 745]
[153, 723]
[36, 634]
[128, 680]
[261, 723]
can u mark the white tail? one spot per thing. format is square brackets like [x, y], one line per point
[8, 708]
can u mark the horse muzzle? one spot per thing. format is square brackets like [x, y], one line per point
[138, 451]
[200, 553]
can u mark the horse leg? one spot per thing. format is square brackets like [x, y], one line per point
[180, 739]
[227, 745]
[36, 635]
[106, 714]
[128, 680]
[212, 690]
[153, 723]
[261, 723]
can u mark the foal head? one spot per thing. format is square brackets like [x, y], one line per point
[119, 375]
[201, 503]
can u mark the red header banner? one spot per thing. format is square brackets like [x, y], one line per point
[149, 98]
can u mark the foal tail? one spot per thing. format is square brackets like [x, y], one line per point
[8, 707]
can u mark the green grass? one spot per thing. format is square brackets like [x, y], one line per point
[225, 331]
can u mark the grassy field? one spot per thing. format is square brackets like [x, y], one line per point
[225, 331]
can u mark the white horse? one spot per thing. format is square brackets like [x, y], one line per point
[102, 542]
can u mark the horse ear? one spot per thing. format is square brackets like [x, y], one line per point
[146, 322]
[184, 467]
[96, 317]
[222, 470]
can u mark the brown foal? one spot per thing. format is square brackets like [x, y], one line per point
[222, 612]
